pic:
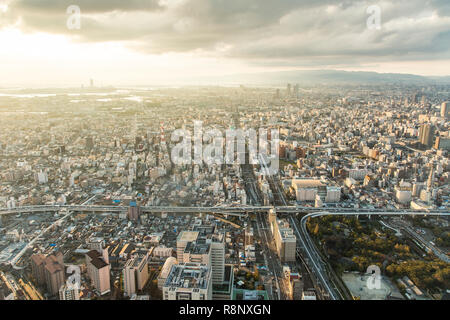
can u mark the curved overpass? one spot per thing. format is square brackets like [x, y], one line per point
[317, 263]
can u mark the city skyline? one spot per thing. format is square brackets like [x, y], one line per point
[236, 153]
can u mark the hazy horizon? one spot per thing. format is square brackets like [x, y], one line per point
[146, 42]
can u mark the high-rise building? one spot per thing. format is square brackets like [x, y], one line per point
[48, 270]
[218, 258]
[54, 276]
[37, 268]
[98, 271]
[445, 109]
[426, 135]
[442, 143]
[285, 239]
[135, 274]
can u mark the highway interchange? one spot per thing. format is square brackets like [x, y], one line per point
[313, 260]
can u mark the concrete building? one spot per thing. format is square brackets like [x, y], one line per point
[218, 260]
[37, 268]
[183, 239]
[68, 293]
[188, 281]
[48, 270]
[333, 194]
[167, 267]
[426, 135]
[162, 252]
[196, 252]
[98, 271]
[442, 143]
[358, 174]
[54, 275]
[308, 189]
[445, 109]
[135, 274]
[403, 195]
[285, 239]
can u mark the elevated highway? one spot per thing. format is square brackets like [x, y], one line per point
[316, 263]
[238, 211]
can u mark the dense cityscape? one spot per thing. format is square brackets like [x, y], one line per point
[207, 159]
[94, 205]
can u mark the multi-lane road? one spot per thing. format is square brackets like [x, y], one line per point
[428, 245]
[230, 210]
[42, 233]
[316, 264]
[314, 259]
[271, 259]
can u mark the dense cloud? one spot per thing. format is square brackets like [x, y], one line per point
[268, 32]
[89, 6]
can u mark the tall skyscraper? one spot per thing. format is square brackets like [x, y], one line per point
[426, 135]
[445, 110]
[218, 259]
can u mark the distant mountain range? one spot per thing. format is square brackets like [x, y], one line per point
[328, 77]
[276, 79]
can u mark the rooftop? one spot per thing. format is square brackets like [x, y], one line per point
[188, 275]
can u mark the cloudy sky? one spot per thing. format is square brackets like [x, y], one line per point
[132, 42]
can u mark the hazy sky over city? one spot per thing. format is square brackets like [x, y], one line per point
[163, 41]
